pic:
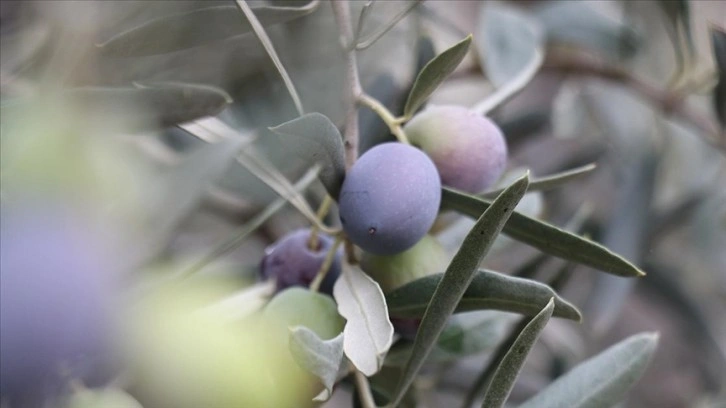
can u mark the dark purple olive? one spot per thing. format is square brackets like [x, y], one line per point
[291, 262]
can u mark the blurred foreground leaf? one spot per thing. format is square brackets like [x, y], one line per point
[601, 381]
[190, 29]
[457, 278]
[509, 39]
[506, 373]
[487, 290]
[368, 332]
[546, 237]
[314, 138]
[434, 73]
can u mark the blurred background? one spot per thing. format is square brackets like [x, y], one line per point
[90, 115]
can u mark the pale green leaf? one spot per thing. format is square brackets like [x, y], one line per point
[487, 290]
[194, 28]
[434, 73]
[546, 237]
[321, 358]
[368, 332]
[457, 278]
[601, 381]
[315, 138]
[508, 370]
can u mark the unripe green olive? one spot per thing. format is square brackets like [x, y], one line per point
[393, 271]
[468, 149]
[297, 306]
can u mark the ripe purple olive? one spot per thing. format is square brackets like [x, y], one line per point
[291, 261]
[469, 150]
[390, 198]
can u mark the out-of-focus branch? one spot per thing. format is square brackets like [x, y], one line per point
[341, 11]
[671, 103]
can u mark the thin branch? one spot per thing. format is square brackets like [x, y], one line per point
[394, 124]
[341, 11]
[325, 267]
[671, 103]
[267, 43]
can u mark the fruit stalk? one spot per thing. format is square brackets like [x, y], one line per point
[325, 267]
[393, 123]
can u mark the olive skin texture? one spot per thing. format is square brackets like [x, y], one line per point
[425, 258]
[389, 198]
[469, 150]
[291, 261]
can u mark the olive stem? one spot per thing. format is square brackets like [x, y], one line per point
[320, 214]
[325, 267]
[394, 123]
[341, 12]
[364, 390]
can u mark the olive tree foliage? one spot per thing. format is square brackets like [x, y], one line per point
[306, 201]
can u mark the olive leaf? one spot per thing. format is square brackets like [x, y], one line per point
[510, 39]
[368, 333]
[718, 37]
[316, 139]
[546, 237]
[508, 369]
[487, 290]
[456, 279]
[193, 28]
[321, 358]
[551, 181]
[579, 23]
[434, 73]
[601, 381]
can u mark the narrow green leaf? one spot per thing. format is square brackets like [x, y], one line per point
[261, 34]
[579, 23]
[508, 370]
[321, 358]
[510, 39]
[488, 290]
[368, 331]
[315, 138]
[434, 73]
[546, 237]
[457, 278]
[551, 181]
[197, 27]
[718, 37]
[601, 381]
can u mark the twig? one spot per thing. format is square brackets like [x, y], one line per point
[341, 11]
[363, 44]
[364, 390]
[394, 124]
[325, 267]
[671, 103]
[320, 215]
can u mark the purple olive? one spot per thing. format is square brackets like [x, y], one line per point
[469, 150]
[390, 198]
[291, 261]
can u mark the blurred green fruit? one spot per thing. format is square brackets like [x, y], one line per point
[468, 149]
[392, 271]
[301, 307]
